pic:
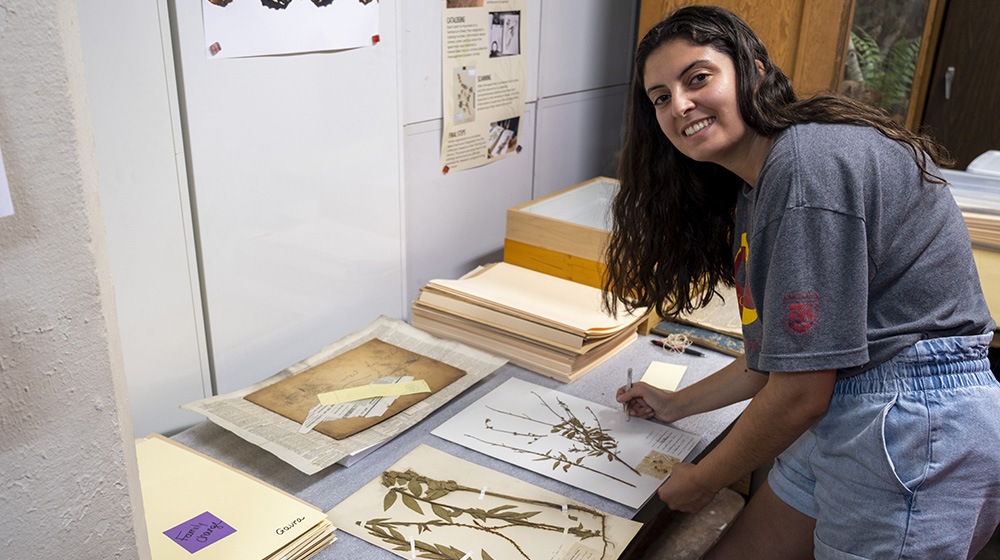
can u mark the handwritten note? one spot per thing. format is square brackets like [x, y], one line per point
[6, 208]
[374, 390]
[199, 532]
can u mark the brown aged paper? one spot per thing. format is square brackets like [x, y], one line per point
[295, 396]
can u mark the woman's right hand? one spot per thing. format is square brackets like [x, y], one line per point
[646, 401]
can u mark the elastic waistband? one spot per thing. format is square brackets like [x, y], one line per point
[937, 363]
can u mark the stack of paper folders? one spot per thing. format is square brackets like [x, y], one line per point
[549, 325]
[978, 196]
[195, 505]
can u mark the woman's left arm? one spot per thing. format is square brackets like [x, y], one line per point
[780, 412]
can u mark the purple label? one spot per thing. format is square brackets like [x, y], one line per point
[199, 532]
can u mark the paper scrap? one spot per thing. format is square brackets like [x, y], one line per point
[6, 208]
[367, 408]
[664, 376]
[374, 390]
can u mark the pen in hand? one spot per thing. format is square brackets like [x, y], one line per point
[628, 386]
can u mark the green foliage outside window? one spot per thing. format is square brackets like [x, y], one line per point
[891, 73]
[882, 53]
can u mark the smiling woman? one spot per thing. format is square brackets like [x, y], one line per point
[859, 300]
[693, 90]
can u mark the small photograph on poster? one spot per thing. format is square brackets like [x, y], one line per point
[465, 3]
[505, 34]
[503, 137]
[465, 94]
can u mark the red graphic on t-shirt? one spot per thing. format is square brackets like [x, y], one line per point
[802, 309]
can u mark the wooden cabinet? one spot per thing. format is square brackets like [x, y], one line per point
[963, 89]
[807, 39]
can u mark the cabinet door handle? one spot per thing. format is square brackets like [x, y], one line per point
[949, 76]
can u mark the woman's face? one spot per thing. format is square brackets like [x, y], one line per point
[693, 91]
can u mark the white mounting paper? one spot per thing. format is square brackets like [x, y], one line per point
[583, 444]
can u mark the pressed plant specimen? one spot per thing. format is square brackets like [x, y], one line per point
[417, 492]
[588, 440]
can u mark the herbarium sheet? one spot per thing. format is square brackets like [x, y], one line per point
[433, 505]
[310, 451]
[584, 444]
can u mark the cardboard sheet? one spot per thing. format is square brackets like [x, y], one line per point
[295, 396]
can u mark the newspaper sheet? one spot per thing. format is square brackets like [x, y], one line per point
[313, 451]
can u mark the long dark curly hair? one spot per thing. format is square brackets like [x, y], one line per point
[672, 232]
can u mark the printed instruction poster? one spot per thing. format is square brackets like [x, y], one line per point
[483, 81]
[239, 28]
[6, 207]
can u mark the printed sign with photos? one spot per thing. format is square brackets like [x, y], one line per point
[483, 81]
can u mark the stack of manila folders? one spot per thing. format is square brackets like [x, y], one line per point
[198, 507]
[546, 324]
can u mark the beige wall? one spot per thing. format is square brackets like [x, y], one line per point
[988, 263]
[68, 483]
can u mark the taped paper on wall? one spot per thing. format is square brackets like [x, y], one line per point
[6, 207]
[483, 81]
[273, 27]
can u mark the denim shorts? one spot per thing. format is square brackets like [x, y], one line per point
[906, 461]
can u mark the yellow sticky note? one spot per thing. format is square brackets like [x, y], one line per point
[664, 376]
[373, 391]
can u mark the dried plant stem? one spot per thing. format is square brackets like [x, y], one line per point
[557, 460]
[414, 488]
[495, 531]
[455, 487]
[595, 439]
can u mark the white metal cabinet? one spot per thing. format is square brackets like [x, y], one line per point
[295, 163]
[578, 137]
[132, 93]
[457, 221]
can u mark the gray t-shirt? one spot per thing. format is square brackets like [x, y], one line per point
[845, 256]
